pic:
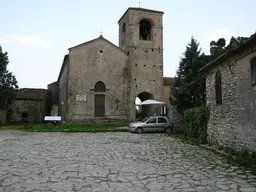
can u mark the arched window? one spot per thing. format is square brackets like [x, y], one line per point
[218, 88]
[99, 87]
[145, 30]
[253, 70]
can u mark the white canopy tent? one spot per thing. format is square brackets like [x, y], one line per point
[151, 102]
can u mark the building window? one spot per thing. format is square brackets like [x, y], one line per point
[253, 70]
[145, 30]
[218, 88]
[99, 87]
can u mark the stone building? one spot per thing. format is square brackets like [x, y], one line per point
[53, 99]
[231, 93]
[100, 81]
[168, 81]
[29, 105]
[170, 110]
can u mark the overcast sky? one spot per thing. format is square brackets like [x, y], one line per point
[37, 34]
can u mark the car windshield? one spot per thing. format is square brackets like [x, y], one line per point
[145, 119]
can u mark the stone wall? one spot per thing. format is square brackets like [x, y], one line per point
[2, 117]
[233, 123]
[34, 108]
[53, 90]
[172, 112]
[63, 80]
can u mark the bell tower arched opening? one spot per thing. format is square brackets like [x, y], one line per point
[145, 30]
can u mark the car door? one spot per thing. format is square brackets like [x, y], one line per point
[150, 125]
[161, 124]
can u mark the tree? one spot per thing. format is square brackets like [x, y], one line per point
[8, 82]
[188, 89]
[217, 48]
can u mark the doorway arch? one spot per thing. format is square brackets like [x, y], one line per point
[144, 110]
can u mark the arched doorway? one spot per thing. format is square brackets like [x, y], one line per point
[144, 110]
[99, 100]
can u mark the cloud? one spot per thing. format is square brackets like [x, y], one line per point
[214, 36]
[221, 33]
[25, 40]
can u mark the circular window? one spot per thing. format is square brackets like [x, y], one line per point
[101, 51]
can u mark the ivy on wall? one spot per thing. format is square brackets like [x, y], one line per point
[195, 120]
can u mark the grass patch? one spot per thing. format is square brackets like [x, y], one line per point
[68, 128]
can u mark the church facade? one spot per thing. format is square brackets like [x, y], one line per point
[100, 81]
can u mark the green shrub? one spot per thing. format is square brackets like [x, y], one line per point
[195, 123]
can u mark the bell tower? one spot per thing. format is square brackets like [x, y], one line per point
[141, 37]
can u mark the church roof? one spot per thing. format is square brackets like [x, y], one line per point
[140, 9]
[96, 39]
[168, 80]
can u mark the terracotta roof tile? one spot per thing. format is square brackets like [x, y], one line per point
[31, 93]
[168, 80]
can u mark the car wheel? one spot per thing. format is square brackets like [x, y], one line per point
[168, 129]
[139, 130]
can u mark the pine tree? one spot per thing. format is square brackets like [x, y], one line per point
[188, 89]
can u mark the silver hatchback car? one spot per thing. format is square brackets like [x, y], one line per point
[151, 124]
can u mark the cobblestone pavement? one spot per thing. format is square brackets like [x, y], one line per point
[112, 162]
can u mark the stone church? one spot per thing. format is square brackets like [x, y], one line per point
[100, 81]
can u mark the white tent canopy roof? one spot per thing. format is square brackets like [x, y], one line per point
[151, 102]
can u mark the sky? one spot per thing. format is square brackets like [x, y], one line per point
[37, 34]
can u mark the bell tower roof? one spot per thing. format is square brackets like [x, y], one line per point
[140, 9]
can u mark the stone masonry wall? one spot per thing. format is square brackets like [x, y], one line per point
[63, 92]
[97, 61]
[34, 108]
[233, 123]
[2, 116]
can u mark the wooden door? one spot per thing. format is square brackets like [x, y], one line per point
[99, 106]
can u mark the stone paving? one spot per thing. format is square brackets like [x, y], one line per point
[114, 162]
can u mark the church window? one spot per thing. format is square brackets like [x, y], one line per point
[218, 88]
[253, 70]
[101, 51]
[99, 87]
[145, 30]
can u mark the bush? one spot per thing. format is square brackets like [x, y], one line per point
[195, 123]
